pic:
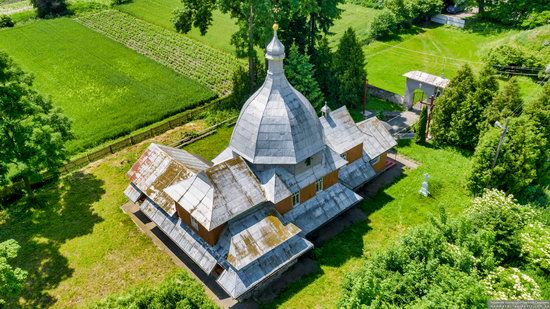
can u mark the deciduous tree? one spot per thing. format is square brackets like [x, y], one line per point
[349, 69]
[11, 278]
[49, 8]
[33, 131]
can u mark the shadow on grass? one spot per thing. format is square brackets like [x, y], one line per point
[62, 212]
[477, 24]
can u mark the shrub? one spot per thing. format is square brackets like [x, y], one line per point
[375, 4]
[178, 291]
[119, 2]
[49, 8]
[383, 25]
[6, 21]
[509, 58]
[536, 19]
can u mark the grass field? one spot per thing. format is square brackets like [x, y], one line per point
[105, 88]
[159, 12]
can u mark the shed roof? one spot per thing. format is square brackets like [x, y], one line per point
[341, 132]
[426, 78]
[160, 167]
[259, 239]
[218, 194]
[377, 138]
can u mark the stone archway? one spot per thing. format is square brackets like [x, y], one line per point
[429, 84]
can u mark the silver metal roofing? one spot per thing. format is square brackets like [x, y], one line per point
[218, 194]
[341, 132]
[357, 173]
[377, 138]
[225, 155]
[426, 78]
[259, 239]
[132, 193]
[323, 207]
[160, 167]
[182, 235]
[277, 125]
[294, 182]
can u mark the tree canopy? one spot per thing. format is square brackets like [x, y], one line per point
[11, 278]
[33, 131]
[349, 70]
[300, 75]
[49, 8]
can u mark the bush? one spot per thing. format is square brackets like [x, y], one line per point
[178, 291]
[509, 58]
[6, 21]
[375, 4]
[383, 25]
[536, 19]
[50, 8]
[119, 2]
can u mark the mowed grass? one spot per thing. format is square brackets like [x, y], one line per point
[159, 12]
[105, 88]
[77, 244]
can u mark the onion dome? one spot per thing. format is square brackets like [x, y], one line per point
[277, 124]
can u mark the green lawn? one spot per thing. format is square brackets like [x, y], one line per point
[159, 12]
[105, 88]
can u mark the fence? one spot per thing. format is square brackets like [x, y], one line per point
[385, 95]
[114, 147]
[449, 20]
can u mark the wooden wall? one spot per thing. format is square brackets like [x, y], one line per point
[354, 153]
[378, 167]
[330, 179]
[307, 193]
[284, 206]
[211, 237]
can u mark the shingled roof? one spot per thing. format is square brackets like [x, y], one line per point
[218, 194]
[377, 138]
[160, 167]
[341, 132]
[277, 125]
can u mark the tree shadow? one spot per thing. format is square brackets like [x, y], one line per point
[476, 24]
[61, 212]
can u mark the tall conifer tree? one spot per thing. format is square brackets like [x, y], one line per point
[349, 69]
[300, 75]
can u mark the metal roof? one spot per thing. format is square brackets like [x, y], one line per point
[225, 155]
[341, 132]
[184, 238]
[426, 78]
[277, 125]
[132, 193]
[357, 173]
[160, 167]
[218, 194]
[377, 138]
[323, 207]
[259, 239]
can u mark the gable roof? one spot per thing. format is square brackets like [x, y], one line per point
[341, 132]
[160, 167]
[377, 139]
[427, 78]
[219, 193]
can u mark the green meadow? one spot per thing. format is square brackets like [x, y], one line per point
[105, 88]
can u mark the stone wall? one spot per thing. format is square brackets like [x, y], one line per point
[385, 95]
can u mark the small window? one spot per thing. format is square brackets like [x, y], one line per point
[319, 185]
[296, 199]
[194, 224]
[308, 161]
[344, 156]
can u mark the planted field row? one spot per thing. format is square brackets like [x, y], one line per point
[207, 65]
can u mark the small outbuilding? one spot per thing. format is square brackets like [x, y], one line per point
[428, 83]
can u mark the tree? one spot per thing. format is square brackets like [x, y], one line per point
[49, 8]
[465, 123]
[420, 136]
[11, 279]
[517, 164]
[510, 12]
[460, 87]
[300, 75]
[349, 69]
[322, 60]
[507, 103]
[33, 131]
[539, 110]
[255, 18]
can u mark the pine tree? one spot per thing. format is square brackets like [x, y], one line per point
[349, 62]
[507, 103]
[464, 127]
[322, 60]
[460, 87]
[420, 136]
[300, 75]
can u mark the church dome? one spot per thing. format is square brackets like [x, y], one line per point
[277, 124]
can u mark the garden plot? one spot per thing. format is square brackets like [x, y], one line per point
[207, 65]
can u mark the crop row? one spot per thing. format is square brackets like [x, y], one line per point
[209, 66]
